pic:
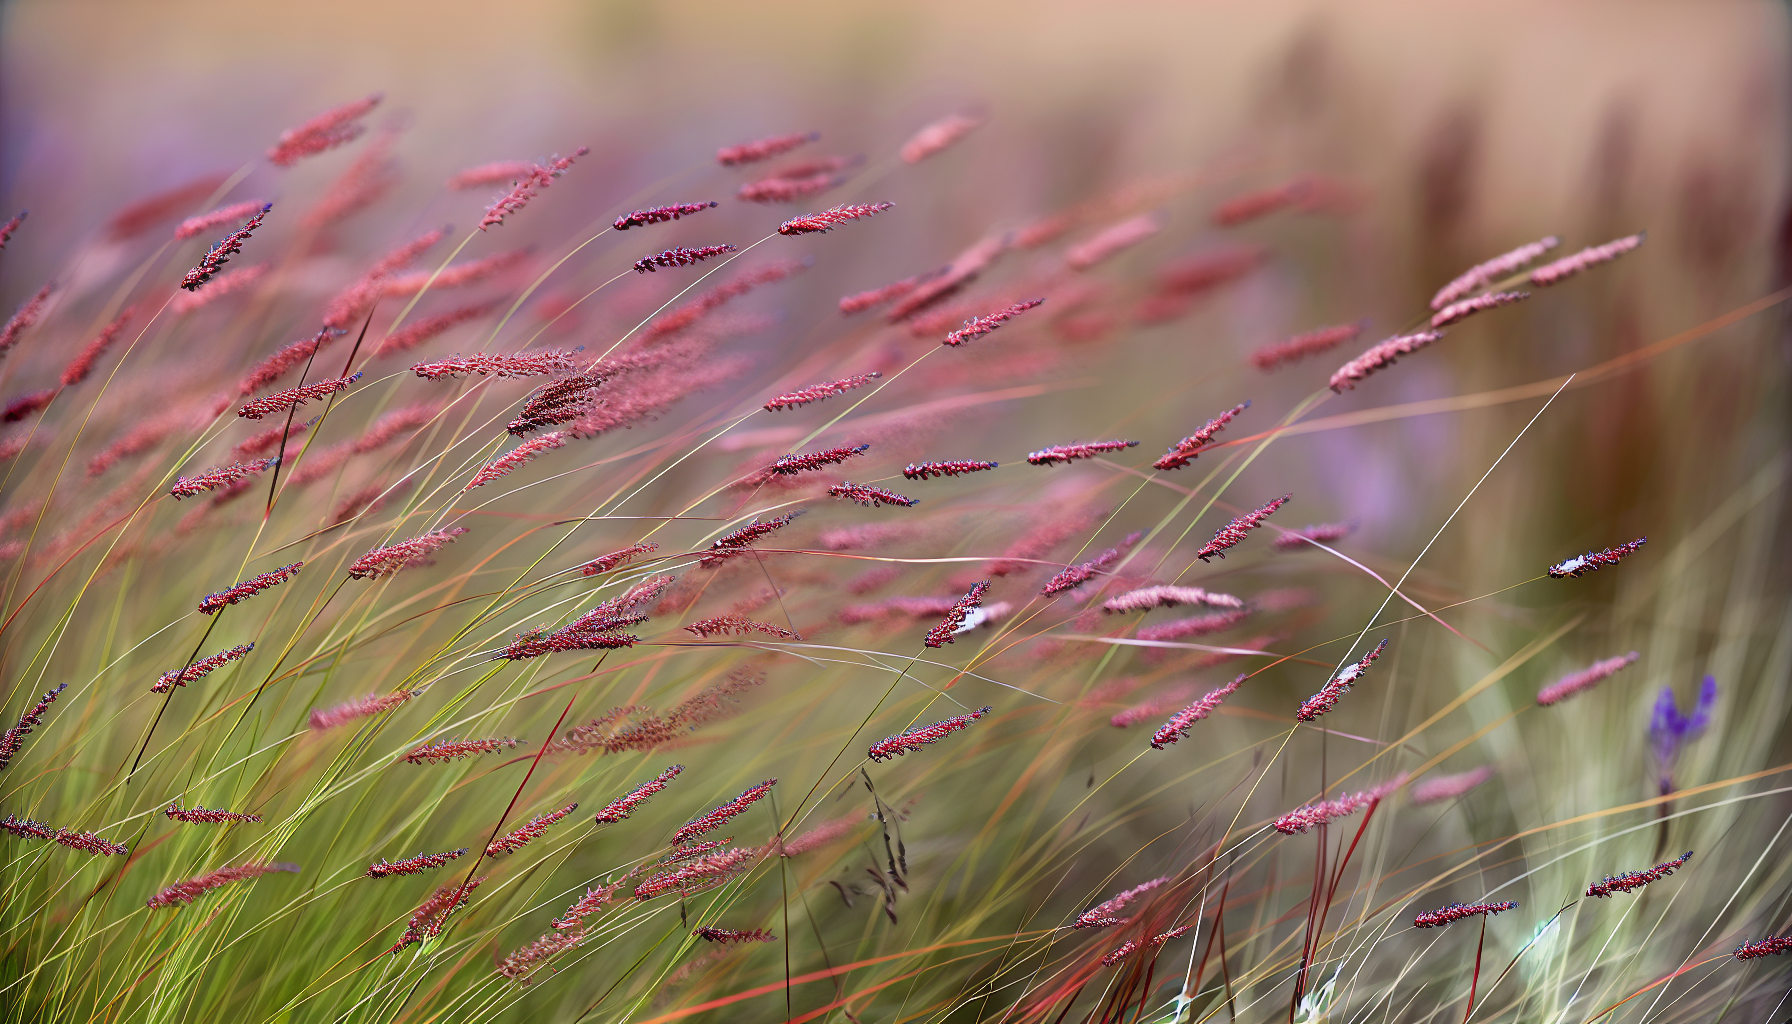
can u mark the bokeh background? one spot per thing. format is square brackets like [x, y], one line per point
[1457, 132]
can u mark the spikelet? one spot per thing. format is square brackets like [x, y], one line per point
[859, 302]
[1112, 241]
[86, 842]
[334, 127]
[220, 253]
[517, 364]
[201, 223]
[869, 496]
[80, 367]
[732, 544]
[275, 366]
[535, 829]
[683, 317]
[1164, 596]
[429, 327]
[517, 457]
[1456, 312]
[1585, 679]
[26, 404]
[1593, 561]
[943, 633]
[937, 136]
[202, 816]
[1071, 452]
[1458, 911]
[1301, 819]
[588, 904]
[280, 401]
[562, 401]
[10, 227]
[1327, 697]
[14, 740]
[789, 465]
[605, 563]
[699, 875]
[1178, 725]
[825, 834]
[200, 669]
[413, 553]
[457, 276]
[660, 214]
[1592, 256]
[1270, 357]
[1381, 355]
[413, 865]
[1637, 879]
[431, 915]
[1076, 575]
[193, 888]
[1103, 915]
[895, 746]
[951, 467]
[449, 750]
[1772, 946]
[977, 327]
[787, 189]
[1184, 451]
[726, 935]
[936, 286]
[28, 313]
[1236, 530]
[359, 709]
[1194, 626]
[1483, 274]
[1295, 540]
[498, 172]
[679, 257]
[735, 625]
[525, 188]
[817, 392]
[224, 476]
[620, 808]
[1449, 787]
[763, 149]
[829, 219]
[717, 818]
[249, 588]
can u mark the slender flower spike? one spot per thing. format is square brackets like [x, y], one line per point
[817, 392]
[220, 253]
[409, 554]
[1112, 241]
[829, 219]
[86, 842]
[1301, 819]
[80, 367]
[735, 625]
[1178, 725]
[1327, 698]
[1270, 357]
[194, 226]
[729, 545]
[726, 935]
[1484, 274]
[1105, 914]
[517, 364]
[679, 257]
[1197, 625]
[525, 188]
[1636, 879]
[561, 401]
[224, 476]
[412, 866]
[534, 830]
[1295, 540]
[717, 818]
[658, 214]
[790, 465]
[498, 172]
[699, 875]
[249, 588]
[364, 707]
[870, 496]
[1381, 355]
[449, 750]
[610, 561]
[1076, 575]
[619, 808]
[517, 457]
[954, 467]
[26, 404]
[423, 330]
[335, 127]
[938, 135]
[432, 914]
[1071, 452]
[1585, 679]
[202, 816]
[1458, 911]
[14, 739]
[977, 327]
[943, 633]
[1459, 311]
[1593, 561]
[588, 904]
[895, 746]
[1568, 266]
[1239, 528]
[1121, 952]
[1766, 947]
[1449, 787]
[22, 320]
[280, 401]
[1184, 451]
[200, 669]
[7, 229]
[1169, 597]
[193, 888]
[763, 149]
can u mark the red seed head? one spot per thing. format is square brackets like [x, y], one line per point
[1379, 356]
[498, 172]
[535, 829]
[729, 545]
[716, 818]
[1327, 697]
[413, 865]
[367, 706]
[1585, 679]
[200, 669]
[619, 808]
[193, 888]
[1593, 561]
[937, 136]
[895, 746]
[1184, 451]
[1636, 879]
[977, 327]
[538, 177]
[27, 314]
[223, 476]
[869, 496]
[334, 127]
[763, 149]
[735, 625]
[605, 563]
[1071, 452]
[280, 401]
[80, 367]
[14, 740]
[202, 816]
[249, 588]
[220, 253]
[952, 467]
[1270, 357]
[449, 750]
[827, 220]
[1568, 266]
[7, 229]
[948, 628]
[1236, 530]
[413, 553]
[659, 214]
[679, 257]
[817, 392]
[1178, 725]
[1458, 911]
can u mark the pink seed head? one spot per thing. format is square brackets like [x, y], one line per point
[1230, 534]
[1184, 451]
[763, 149]
[660, 214]
[895, 746]
[220, 253]
[977, 327]
[1585, 679]
[1458, 911]
[829, 219]
[817, 392]
[1593, 561]
[1071, 452]
[1178, 725]
[679, 257]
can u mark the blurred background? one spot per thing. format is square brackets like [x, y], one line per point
[1448, 133]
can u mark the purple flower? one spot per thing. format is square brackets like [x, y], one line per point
[1669, 729]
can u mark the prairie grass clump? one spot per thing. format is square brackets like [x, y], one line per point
[555, 488]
